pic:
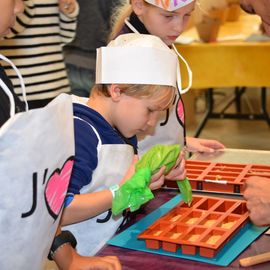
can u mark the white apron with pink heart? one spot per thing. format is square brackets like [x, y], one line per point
[36, 158]
[113, 163]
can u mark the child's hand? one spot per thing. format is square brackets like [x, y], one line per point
[157, 179]
[178, 172]
[94, 263]
[97, 263]
[130, 171]
[203, 145]
[67, 6]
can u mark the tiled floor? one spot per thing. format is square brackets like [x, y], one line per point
[245, 134]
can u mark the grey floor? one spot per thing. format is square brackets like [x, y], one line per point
[243, 134]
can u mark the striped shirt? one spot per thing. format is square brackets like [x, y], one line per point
[35, 47]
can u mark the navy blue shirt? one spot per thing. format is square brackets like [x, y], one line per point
[86, 142]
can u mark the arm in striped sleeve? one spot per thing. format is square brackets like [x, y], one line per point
[68, 25]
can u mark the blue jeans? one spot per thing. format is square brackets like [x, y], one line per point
[81, 80]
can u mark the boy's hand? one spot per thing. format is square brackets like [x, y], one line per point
[130, 171]
[67, 6]
[157, 179]
[178, 172]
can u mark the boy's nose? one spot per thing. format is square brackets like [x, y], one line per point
[152, 121]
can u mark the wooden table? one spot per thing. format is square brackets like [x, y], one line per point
[229, 62]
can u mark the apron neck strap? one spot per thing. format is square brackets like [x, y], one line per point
[182, 91]
[7, 90]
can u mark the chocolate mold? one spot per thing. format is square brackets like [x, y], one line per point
[203, 228]
[220, 177]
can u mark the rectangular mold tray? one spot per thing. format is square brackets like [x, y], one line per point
[204, 228]
[220, 177]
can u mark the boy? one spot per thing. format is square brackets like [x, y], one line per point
[132, 88]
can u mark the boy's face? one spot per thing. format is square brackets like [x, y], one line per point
[261, 8]
[133, 115]
[167, 25]
[9, 9]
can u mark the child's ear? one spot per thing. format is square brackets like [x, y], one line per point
[115, 92]
[137, 6]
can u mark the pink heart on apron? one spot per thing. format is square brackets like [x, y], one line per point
[56, 188]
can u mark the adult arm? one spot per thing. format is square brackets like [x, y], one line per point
[257, 194]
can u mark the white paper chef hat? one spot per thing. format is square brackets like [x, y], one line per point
[136, 59]
[169, 5]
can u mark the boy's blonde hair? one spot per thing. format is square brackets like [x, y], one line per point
[158, 93]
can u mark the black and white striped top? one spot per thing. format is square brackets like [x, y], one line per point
[35, 47]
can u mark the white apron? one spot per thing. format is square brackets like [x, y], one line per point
[113, 163]
[36, 152]
[34, 175]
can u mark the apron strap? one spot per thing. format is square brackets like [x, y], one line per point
[7, 90]
[10, 96]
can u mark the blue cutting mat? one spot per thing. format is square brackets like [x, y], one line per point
[128, 238]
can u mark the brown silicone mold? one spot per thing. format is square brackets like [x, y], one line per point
[220, 177]
[203, 228]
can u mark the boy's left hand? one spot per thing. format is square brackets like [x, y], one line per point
[67, 6]
[178, 172]
[203, 145]
[130, 171]
[157, 179]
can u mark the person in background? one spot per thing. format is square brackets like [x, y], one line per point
[167, 20]
[6, 22]
[80, 54]
[261, 8]
[130, 91]
[64, 255]
[35, 43]
[257, 189]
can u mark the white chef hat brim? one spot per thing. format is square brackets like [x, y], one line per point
[143, 60]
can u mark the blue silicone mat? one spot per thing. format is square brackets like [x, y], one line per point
[128, 238]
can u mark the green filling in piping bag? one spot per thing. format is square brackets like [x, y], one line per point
[186, 190]
[135, 191]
